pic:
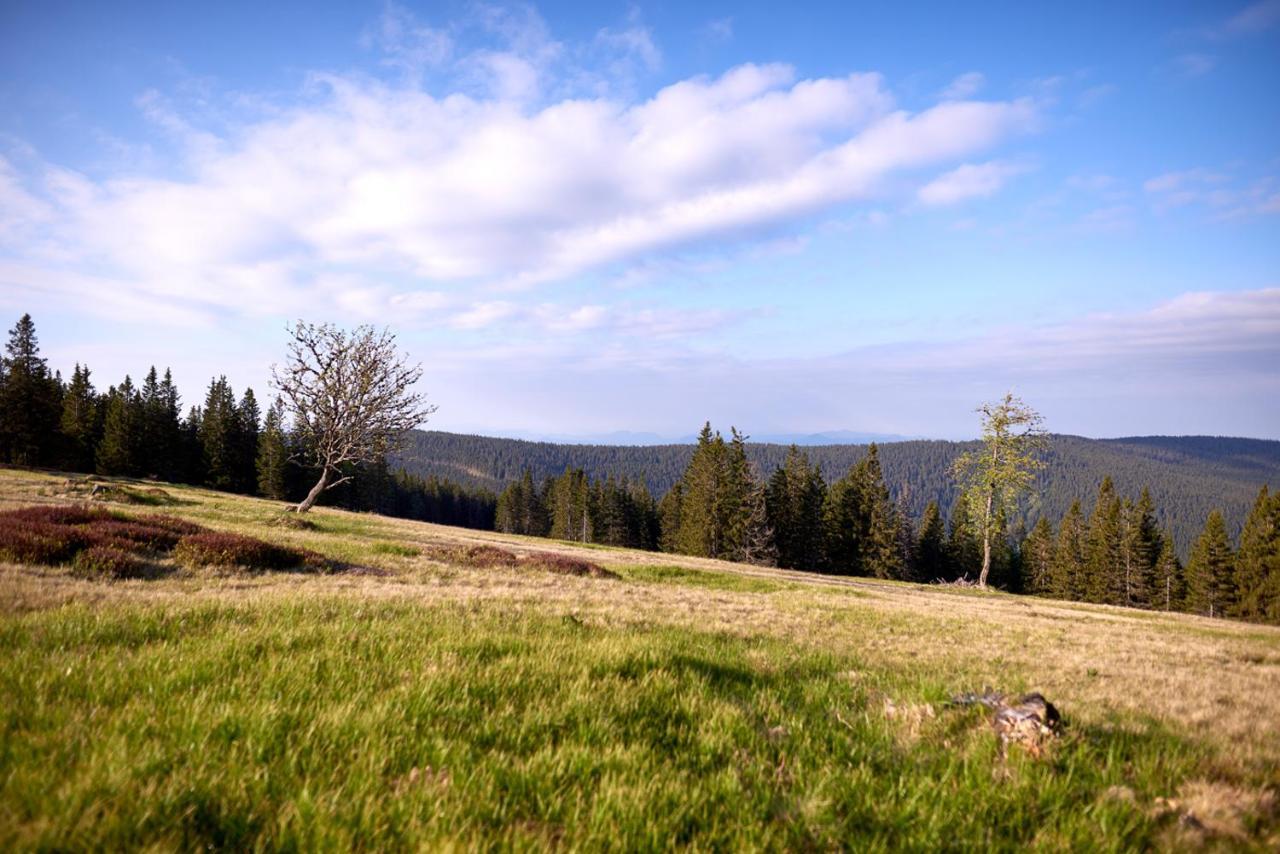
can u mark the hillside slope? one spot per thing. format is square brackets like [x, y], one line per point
[1188, 475]
[432, 695]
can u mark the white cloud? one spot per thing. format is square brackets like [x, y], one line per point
[965, 86]
[1254, 18]
[435, 193]
[968, 181]
[1222, 194]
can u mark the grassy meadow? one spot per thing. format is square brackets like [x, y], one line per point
[417, 697]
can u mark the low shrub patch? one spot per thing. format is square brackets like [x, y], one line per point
[100, 543]
[108, 562]
[236, 550]
[481, 557]
[565, 565]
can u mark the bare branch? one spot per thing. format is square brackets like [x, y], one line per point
[350, 395]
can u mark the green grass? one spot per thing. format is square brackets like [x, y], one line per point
[439, 705]
[297, 722]
[705, 579]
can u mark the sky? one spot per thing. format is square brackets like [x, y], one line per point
[589, 218]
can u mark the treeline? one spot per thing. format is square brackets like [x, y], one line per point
[615, 512]
[227, 443]
[1187, 476]
[1120, 556]
[721, 508]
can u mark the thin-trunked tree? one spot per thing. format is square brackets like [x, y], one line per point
[1002, 469]
[350, 397]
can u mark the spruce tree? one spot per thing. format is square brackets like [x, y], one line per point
[669, 513]
[1169, 592]
[1038, 558]
[248, 420]
[794, 501]
[1257, 571]
[931, 546]
[883, 556]
[1069, 580]
[190, 448]
[119, 451]
[1104, 571]
[220, 437]
[846, 522]
[701, 531]
[568, 505]
[742, 520]
[1210, 581]
[80, 421]
[273, 455]
[30, 400]
[1140, 550]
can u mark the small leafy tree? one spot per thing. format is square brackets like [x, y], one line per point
[994, 477]
[350, 397]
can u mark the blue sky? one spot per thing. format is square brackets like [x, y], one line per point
[585, 218]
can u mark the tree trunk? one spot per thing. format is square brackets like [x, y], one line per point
[314, 493]
[986, 540]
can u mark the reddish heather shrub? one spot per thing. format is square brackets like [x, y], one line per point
[55, 514]
[54, 535]
[235, 550]
[565, 565]
[108, 562]
[38, 542]
[480, 556]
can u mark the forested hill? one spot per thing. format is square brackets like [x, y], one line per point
[1188, 475]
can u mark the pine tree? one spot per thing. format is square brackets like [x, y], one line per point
[273, 455]
[190, 448]
[568, 504]
[1257, 571]
[736, 504]
[669, 513]
[1170, 588]
[1140, 550]
[80, 420]
[219, 437]
[30, 400]
[533, 508]
[1038, 558]
[1069, 580]
[931, 546]
[883, 557]
[1104, 571]
[119, 451]
[905, 546]
[701, 529]
[248, 425]
[793, 501]
[1210, 581]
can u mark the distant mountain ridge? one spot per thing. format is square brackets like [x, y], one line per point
[1188, 475]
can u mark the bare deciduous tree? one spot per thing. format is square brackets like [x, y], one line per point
[350, 396]
[1004, 468]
